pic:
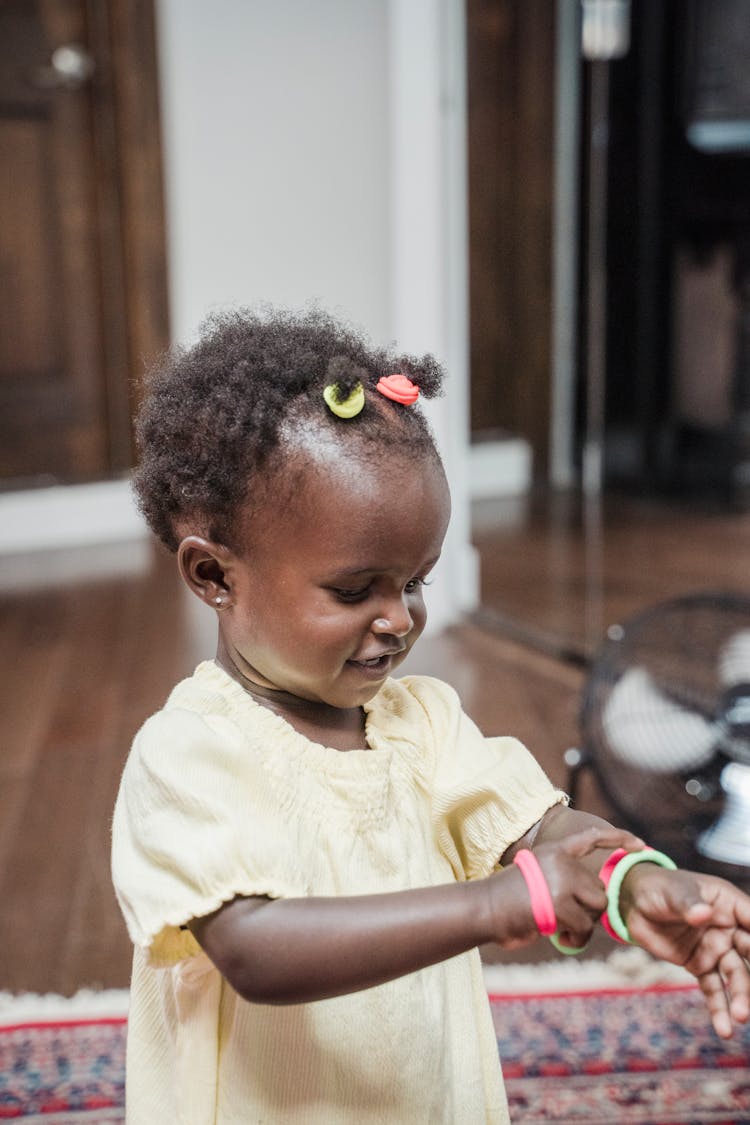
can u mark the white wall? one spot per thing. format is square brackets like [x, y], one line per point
[315, 150]
[276, 143]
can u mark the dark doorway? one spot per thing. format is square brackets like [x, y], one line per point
[678, 252]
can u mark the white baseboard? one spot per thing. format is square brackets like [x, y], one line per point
[499, 468]
[69, 516]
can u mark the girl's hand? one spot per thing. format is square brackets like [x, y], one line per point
[698, 921]
[577, 892]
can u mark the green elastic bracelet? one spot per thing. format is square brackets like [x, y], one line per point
[648, 855]
[568, 950]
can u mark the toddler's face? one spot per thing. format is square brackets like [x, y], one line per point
[326, 594]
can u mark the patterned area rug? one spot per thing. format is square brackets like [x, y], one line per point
[610, 1058]
[624, 1042]
[62, 1062]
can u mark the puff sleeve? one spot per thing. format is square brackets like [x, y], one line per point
[487, 792]
[196, 823]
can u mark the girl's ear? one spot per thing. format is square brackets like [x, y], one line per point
[203, 566]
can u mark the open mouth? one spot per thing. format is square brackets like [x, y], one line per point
[376, 665]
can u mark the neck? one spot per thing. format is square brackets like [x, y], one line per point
[337, 727]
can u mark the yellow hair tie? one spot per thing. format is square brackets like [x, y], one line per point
[350, 406]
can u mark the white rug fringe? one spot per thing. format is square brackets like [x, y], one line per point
[624, 968]
[89, 1003]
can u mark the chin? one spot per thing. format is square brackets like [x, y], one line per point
[360, 697]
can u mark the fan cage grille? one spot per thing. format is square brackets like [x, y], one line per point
[677, 646]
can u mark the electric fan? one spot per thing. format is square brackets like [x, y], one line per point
[665, 721]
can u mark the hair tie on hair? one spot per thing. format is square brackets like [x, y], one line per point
[399, 388]
[348, 407]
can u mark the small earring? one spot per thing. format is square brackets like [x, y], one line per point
[219, 602]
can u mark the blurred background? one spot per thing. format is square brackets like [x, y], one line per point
[553, 196]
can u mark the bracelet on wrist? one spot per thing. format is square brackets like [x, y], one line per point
[542, 906]
[616, 924]
[605, 874]
[567, 950]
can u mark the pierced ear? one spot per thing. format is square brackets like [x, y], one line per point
[203, 566]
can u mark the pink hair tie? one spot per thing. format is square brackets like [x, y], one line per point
[542, 906]
[398, 388]
[605, 874]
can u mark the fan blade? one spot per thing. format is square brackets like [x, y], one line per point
[649, 731]
[734, 659]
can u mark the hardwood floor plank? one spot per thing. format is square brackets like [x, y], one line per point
[561, 576]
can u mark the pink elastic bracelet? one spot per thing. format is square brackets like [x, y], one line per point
[542, 906]
[605, 874]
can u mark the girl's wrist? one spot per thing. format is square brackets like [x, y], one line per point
[629, 886]
[482, 909]
[504, 917]
[622, 888]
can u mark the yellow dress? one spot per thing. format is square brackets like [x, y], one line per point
[221, 797]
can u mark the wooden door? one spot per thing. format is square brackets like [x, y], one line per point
[511, 66]
[82, 263]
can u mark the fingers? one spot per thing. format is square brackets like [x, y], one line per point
[577, 922]
[588, 840]
[742, 944]
[736, 985]
[697, 913]
[712, 988]
[727, 993]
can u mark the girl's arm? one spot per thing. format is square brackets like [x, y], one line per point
[290, 951]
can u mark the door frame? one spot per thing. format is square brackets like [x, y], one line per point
[134, 292]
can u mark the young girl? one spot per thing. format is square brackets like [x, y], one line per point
[308, 851]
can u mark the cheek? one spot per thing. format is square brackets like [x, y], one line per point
[326, 624]
[418, 611]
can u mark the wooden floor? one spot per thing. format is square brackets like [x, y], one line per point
[95, 640]
[557, 572]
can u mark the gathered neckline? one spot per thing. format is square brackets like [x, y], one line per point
[238, 700]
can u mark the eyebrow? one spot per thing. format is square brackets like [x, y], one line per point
[356, 571]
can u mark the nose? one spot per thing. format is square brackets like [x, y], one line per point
[397, 620]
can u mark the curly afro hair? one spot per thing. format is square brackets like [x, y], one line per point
[215, 418]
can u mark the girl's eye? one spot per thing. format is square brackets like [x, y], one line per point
[352, 595]
[361, 592]
[415, 584]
